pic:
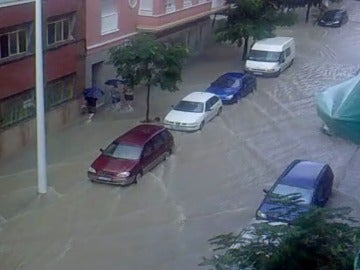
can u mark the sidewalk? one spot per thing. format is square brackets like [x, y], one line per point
[70, 151]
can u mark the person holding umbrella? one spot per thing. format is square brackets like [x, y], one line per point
[91, 96]
[115, 94]
[129, 97]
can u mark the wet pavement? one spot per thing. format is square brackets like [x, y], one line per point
[211, 185]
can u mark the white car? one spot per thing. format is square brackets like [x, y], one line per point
[193, 111]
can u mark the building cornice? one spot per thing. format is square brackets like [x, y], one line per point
[159, 28]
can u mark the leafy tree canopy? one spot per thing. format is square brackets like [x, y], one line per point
[252, 18]
[325, 239]
[149, 61]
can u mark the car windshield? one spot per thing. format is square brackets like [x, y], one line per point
[224, 81]
[264, 56]
[189, 106]
[283, 190]
[122, 151]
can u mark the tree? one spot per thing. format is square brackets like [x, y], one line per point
[252, 18]
[308, 3]
[325, 239]
[149, 61]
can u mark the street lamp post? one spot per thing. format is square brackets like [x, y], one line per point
[40, 110]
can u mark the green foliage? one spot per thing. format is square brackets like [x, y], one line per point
[148, 61]
[252, 18]
[325, 239]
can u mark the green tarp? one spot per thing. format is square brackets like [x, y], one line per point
[339, 107]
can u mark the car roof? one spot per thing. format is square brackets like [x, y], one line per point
[198, 96]
[303, 174]
[334, 11]
[140, 134]
[272, 44]
[235, 75]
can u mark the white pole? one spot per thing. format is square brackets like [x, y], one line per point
[40, 110]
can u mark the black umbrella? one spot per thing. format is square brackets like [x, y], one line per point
[93, 92]
[114, 82]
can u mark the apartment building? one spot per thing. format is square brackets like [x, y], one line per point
[64, 62]
[110, 23]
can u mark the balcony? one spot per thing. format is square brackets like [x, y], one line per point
[7, 3]
[177, 17]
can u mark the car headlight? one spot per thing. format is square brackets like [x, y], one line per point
[336, 22]
[229, 96]
[123, 174]
[261, 214]
[91, 170]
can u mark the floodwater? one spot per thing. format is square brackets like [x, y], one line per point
[211, 185]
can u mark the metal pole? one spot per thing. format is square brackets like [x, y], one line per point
[40, 110]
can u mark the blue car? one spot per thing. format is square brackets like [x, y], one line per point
[309, 181]
[232, 86]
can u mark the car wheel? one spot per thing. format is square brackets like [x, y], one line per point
[201, 125]
[254, 88]
[137, 178]
[235, 98]
[219, 111]
[167, 154]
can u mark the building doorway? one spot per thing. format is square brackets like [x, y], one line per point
[96, 80]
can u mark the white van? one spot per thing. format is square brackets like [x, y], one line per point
[270, 56]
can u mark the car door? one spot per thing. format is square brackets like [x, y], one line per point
[208, 111]
[287, 56]
[324, 187]
[248, 84]
[147, 157]
[242, 86]
[159, 146]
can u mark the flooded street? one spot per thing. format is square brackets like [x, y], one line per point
[212, 184]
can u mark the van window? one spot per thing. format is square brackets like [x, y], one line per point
[287, 52]
[264, 56]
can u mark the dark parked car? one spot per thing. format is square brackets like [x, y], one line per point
[232, 86]
[131, 155]
[310, 181]
[334, 18]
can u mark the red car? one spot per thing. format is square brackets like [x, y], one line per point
[131, 155]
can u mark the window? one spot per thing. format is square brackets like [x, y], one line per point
[122, 151]
[148, 150]
[287, 52]
[212, 101]
[58, 31]
[109, 17]
[146, 7]
[132, 3]
[59, 91]
[13, 43]
[166, 136]
[170, 6]
[187, 3]
[17, 108]
[158, 141]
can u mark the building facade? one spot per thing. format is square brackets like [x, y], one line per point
[111, 23]
[64, 62]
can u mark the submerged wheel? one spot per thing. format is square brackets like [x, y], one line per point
[201, 125]
[167, 154]
[137, 178]
[219, 111]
